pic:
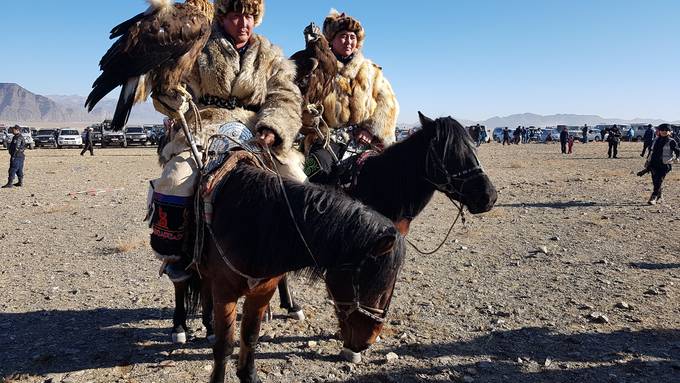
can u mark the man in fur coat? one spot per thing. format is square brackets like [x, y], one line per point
[239, 76]
[362, 96]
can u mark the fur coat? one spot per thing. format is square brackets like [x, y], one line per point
[362, 97]
[262, 82]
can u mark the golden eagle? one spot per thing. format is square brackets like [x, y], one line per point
[316, 66]
[153, 53]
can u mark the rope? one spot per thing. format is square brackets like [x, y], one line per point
[290, 208]
[460, 214]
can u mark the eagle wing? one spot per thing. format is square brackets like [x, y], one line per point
[158, 42]
[316, 70]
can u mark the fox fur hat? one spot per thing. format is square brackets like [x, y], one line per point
[337, 22]
[249, 7]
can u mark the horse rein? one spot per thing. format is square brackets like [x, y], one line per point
[355, 305]
[448, 188]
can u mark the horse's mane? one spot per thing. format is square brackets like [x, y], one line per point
[253, 218]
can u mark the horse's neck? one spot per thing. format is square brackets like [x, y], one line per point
[394, 183]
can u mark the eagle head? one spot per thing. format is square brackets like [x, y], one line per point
[312, 33]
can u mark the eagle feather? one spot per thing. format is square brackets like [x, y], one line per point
[153, 53]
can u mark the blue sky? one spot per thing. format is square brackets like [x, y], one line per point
[471, 59]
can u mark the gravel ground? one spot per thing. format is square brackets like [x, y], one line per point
[571, 278]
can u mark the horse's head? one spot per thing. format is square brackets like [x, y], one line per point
[452, 165]
[362, 291]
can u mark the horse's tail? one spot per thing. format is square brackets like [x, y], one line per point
[192, 299]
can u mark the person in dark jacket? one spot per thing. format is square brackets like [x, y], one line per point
[506, 136]
[664, 151]
[614, 138]
[88, 142]
[564, 137]
[584, 134]
[16, 160]
[647, 140]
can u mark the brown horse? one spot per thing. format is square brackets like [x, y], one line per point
[264, 227]
[400, 181]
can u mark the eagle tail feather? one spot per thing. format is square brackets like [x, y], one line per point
[125, 103]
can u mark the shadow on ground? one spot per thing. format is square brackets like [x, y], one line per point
[45, 342]
[650, 356]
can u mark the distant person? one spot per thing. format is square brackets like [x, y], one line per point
[664, 150]
[506, 136]
[603, 132]
[631, 134]
[570, 144]
[16, 157]
[88, 142]
[613, 139]
[482, 134]
[516, 135]
[564, 138]
[477, 134]
[647, 139]
[584, 133]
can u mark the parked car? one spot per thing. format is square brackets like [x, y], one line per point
[45, 137]
[550, 135]
[3, 135]
[112, 137]
[69, 137]
[497, 135]
[136, 135]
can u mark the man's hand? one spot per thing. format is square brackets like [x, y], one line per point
[363, 137]
[266, 137]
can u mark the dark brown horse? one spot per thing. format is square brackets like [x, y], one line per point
[264, 227]
[400, 181]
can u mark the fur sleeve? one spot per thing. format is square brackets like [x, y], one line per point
[383, 120]
[281, 111]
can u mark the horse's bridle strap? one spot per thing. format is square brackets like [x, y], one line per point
[375, 314]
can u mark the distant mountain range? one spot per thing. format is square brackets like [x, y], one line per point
[20, 106]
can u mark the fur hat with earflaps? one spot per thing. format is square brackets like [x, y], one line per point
[249, 7]
[337, 22]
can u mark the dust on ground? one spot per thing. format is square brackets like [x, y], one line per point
[571, 278]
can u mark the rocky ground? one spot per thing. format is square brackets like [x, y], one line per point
[571, 278]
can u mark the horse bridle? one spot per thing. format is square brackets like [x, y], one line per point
[345, 309]
[461, 177]
[448, 188]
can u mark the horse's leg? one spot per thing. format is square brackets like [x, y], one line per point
[179, 317]
[207, 314]
[224, 312]
[254, 308]
[287, 302]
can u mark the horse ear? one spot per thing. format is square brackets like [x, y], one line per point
[386, 243]
[424, 120]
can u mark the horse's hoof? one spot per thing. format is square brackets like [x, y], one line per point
[350, 356]
[212, 339]
[179, 337]
[268, 316]
[296, 315]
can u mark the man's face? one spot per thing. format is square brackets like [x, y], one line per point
[239, 26]
[345, 43]
[664, 133]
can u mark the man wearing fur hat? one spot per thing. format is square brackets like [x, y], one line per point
[363, 97]
[239, 77]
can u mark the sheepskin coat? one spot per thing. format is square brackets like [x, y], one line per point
[362, 97]
[262, 82]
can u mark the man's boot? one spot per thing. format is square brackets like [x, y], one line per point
[8, 184]
[177, 272]
[20, 183]
[652, 200]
